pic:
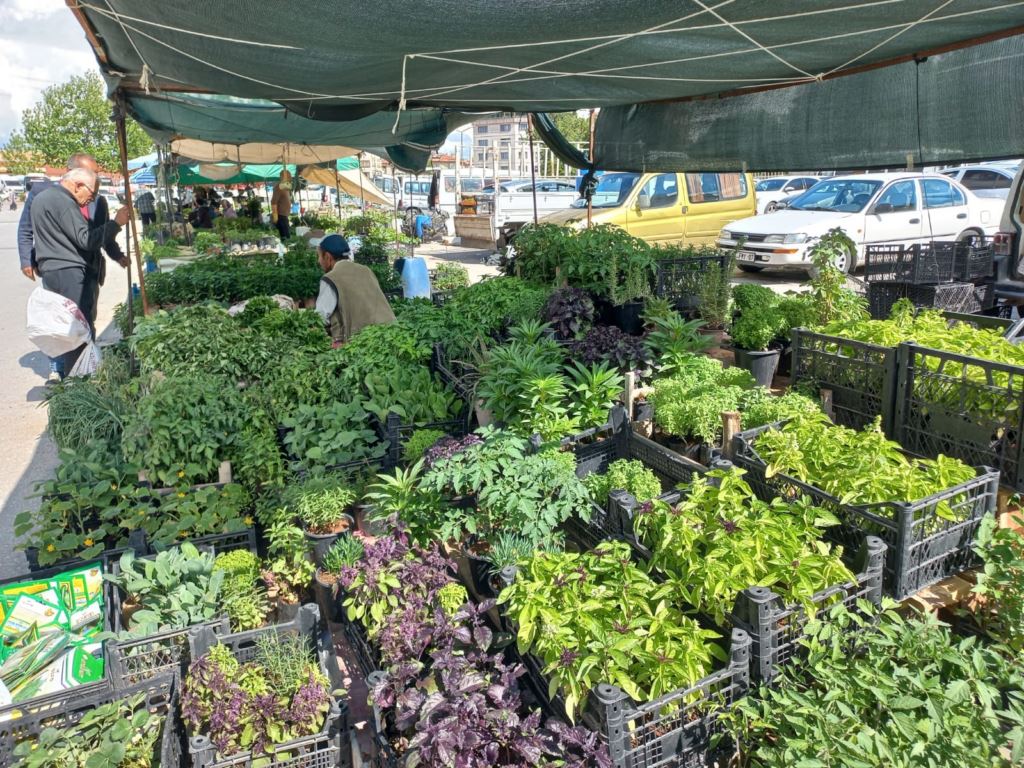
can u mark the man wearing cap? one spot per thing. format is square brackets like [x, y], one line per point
[350, 297]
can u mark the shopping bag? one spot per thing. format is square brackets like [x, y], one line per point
[54, 323]
[88, 361]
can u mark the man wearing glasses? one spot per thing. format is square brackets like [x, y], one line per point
[67, 243]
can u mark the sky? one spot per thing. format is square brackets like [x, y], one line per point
[40, 44]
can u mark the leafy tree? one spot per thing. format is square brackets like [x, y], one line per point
[572, 126]
[70, 117]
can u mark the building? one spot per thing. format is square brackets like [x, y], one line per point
[502, 143]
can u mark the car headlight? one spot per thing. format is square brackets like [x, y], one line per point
[798, 237]
[725, 234]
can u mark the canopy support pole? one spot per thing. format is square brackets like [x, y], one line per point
[533, 168]
[122, 142]
[590, 157]
[337, 187]
[362, 195]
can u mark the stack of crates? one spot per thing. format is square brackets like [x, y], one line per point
[950, 275]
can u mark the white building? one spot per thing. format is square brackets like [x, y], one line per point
[502, 143]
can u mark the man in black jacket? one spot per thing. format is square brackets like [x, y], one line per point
[98, 214]
[67, 244]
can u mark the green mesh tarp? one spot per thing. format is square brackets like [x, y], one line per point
[963, 105]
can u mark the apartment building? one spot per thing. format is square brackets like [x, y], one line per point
[502, 143]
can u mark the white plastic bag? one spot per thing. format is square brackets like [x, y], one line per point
[54, 323]
[88, 361]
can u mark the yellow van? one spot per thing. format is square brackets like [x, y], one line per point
[666, 207]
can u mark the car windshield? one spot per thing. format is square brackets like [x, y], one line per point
[770, 185]
[844, 195]
[612, 190]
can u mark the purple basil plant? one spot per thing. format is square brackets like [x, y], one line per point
[447, 447]
[570, 311]
[606, 343]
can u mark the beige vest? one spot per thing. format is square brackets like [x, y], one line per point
[360, 300]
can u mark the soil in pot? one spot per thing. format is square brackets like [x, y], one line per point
[762, 364]
[319, 542]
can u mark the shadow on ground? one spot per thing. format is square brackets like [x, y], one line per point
[37, 362]
[42, 465]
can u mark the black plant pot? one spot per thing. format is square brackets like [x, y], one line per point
[320, 543]
[327, 598]
[627, 317]
[785, 361]
[604, 312]
[286, 612]
[762, 364]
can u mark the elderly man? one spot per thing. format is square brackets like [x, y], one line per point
[66, 246]
[350, 297]
[97, 214]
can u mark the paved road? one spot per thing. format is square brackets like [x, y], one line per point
[26, 452]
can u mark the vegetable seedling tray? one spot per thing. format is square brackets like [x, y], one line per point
[923, 548]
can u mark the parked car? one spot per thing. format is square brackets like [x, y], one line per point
[1008, 243]
[770, 191]
[988, 180]
[869, 208]
[666, 207]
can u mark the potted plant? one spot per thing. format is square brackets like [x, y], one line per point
[288, 571]
[242, 596]
[322, 506]
[629, 286]
[569, 312]
[752, 333]
[344, 553]
[714, 301]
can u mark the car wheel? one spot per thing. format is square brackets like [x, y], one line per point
[749, 268]
[771, 207]
[845, 262]
[972, 236]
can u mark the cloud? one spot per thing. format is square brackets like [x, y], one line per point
[41, 44]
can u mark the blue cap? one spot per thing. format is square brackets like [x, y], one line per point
[336, 245]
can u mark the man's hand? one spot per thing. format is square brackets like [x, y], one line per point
[124, 262]
[121, 217]
[29, 272]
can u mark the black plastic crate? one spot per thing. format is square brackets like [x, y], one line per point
[962, 406]
[679, 280]
[367, 656]
[132, 661]
[916, 264]
[397, 434]
[440, 298]
[161, 697]
[861, 376]
[136, 541]
[973, 262]
[922, 547]
[955, 297]
[327, 749]
[589, 445]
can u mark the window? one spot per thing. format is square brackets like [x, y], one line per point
[611, 191]
[846, 195]
[660, 192]
[481, 142]
[504, 156]
[902, 196]
[505, 142]
[980, 179]
[713, 187]
[505, 128]
[769, 185]
[940, 194]
[807, 183]
[479, 157]
[481, 129]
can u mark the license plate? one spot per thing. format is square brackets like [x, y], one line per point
[745, 256]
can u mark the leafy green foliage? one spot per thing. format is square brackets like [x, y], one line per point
[80, 414]
[715, 294]
[242, 599]
[757, 327]
[832, 299]
[176, 588]
[672, 341]
[118, 734]
[753, 296]
[740, 542]
[595, 618]
[188, 513]
[858, 467]
[329, 435]
[418, 443]
[449, 275]
[345, 552]
[1001, 583]
[690, 402]
[624, 475]
[320, 502]
[908, 693]
[414, 394]
[758, 406]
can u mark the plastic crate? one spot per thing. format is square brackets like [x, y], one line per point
[956, 297]
[922, 547]
[366, 655]
[397, 434]
[679, 280]
[161, 697]
[590, 446]
[675, 730]
[861, 376]
[962, 406]
[973, 263]
[327, 749]
[916, 264]
[136, 541]
[132, 661]
[440, 298]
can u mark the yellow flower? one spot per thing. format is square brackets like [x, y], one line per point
[181, 494]
[113, 486]
[88, 542]
[248, 520]
[50, 547]
[181, 473]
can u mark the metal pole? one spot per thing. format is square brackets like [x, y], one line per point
[337, 187]
[394, 197]
[533, 168]
[362, 195]
[590, 200]
[122, 141]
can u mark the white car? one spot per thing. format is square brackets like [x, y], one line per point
[770, 191]
[987, 180]
[869, 208]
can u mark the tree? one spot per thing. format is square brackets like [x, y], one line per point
[73, 116]
[574, 127]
